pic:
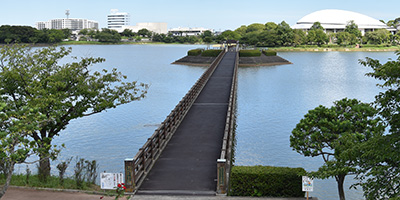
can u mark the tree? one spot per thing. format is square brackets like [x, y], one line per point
[127, 33]
[299, 37]
[317, 36]
[15, 146]
[380, 159]
[108, 35]
[317, 26]
[60, 92]
[255, 27]
[345, 38]
[285, 34]
[230, 35]
[144, 33]
[241, 30]
[268, 38]
[271, 26]
[83, 31]
[352, 28]
[330, 132]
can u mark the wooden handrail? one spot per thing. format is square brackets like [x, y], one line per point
[224, 163]
[137, 168]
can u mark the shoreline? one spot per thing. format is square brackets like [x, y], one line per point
[339, 49]
[277, 49]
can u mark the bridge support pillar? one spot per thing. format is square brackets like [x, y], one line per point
[129, 175]
[221, 180]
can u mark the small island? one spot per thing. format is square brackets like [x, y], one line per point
[247, 58]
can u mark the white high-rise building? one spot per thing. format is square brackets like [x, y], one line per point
[72, 24]
[116, 20]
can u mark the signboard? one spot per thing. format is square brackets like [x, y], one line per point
[307, 184]
[109, 181]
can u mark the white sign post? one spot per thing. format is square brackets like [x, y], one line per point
[307, 184]
[109, 181]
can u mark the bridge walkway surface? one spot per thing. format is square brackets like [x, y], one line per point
[187, 166]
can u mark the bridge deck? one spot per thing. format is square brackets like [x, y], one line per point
[188, 163]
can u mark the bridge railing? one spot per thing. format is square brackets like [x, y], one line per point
[137, 168]
[224, 163]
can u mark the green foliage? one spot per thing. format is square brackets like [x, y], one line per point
[194, 52]
[317, 36]
[144, 33]
[266, 181]
[346, 38]
[299, 37]
[255, 28]
[108, 35]
[379, 160]
[27, 34]
[58, 93]
[285, 33]
[377, 37]
[269, 52]
[331, 132]
[228, 35]
[249, 53]
[211, 53]
[317, 26]
[352, 28]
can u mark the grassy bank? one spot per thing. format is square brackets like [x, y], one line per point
[51, 182]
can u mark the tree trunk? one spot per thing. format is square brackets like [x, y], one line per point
[8, 180]
[340, 181]
[44, 168]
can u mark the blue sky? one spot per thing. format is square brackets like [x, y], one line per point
[215, 14]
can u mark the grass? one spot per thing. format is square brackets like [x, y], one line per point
[52, 182]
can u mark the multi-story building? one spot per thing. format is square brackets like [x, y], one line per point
[72, 24]
[188, 31]
[116, 20]
[120, 21]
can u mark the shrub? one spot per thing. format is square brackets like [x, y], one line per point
[266, 181]
[269, 52]
[211, 53]
[249, 53]
[194, 52]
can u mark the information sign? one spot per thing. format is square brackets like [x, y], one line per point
[307, 184]
[109, 181]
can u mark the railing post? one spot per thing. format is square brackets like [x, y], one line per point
[221, 180]
[129, 175]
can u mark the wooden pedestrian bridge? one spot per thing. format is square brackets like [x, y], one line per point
[190, 153]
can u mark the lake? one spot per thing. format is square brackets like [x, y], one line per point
[271, 101]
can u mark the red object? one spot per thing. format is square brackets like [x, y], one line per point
[122, 183]
[124, 188]
[119, 185]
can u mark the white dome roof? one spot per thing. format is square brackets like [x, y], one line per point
[331, 19]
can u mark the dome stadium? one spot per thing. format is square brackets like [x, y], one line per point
[336, 20]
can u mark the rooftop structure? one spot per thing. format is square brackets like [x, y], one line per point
[115, 20]
[336, 20]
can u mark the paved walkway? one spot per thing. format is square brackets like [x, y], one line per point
[188, 165]
[31, 194]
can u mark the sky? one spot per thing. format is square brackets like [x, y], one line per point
[219, 15]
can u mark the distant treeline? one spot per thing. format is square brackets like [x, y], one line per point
[274, 35]
[27, 34]
[263, 35]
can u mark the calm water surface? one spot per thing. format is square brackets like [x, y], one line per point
[271, 101]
